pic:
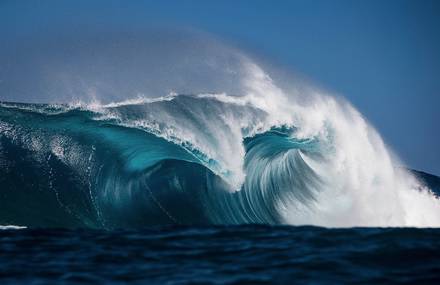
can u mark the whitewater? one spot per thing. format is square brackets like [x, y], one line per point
[263, 156]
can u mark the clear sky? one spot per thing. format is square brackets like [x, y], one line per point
[384, 56]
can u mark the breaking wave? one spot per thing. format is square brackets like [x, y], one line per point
[258, 157]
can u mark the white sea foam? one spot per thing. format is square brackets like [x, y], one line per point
[11, 227]
[362, 185]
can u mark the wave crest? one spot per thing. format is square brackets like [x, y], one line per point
[262, 157]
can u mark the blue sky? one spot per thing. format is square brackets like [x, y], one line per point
[381, 55]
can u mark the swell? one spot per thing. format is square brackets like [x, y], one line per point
[174, 160]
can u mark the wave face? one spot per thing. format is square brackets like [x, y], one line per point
[262, 157]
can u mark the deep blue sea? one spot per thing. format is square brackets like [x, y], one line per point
[221, 255]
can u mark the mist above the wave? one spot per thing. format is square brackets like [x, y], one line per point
[112, 66]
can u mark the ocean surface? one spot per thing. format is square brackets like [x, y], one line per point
[221, 255]
[209, 189]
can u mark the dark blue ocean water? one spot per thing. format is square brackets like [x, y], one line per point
[221, 255]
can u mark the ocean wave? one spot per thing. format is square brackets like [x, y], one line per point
[260, 157]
